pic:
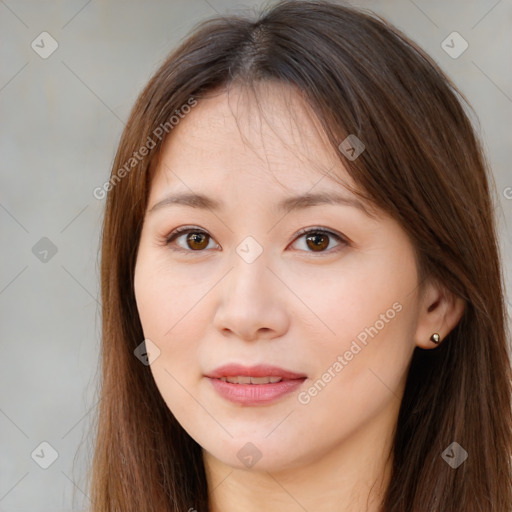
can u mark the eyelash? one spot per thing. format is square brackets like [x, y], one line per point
[315, 230]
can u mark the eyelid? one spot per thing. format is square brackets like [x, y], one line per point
[315, 229]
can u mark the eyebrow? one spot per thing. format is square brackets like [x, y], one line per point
[289, 204]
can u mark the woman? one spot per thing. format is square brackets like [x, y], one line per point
[302, 294]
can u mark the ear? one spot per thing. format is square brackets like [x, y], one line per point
[439, 312]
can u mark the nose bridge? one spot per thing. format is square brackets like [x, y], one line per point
[250, 275]
[250, 250]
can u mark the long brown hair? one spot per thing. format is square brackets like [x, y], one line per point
[423, 164]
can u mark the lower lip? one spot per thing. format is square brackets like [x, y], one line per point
[255, 394]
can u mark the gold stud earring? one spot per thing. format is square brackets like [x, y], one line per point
[435, 338]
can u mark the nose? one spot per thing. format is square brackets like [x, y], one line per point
[252, 302]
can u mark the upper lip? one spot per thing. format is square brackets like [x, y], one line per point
[260, 370]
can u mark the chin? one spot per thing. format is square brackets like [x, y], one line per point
[251, 453]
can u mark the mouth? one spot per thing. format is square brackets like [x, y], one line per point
[254, 385]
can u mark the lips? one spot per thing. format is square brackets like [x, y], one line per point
[241, 374]
[254, 385]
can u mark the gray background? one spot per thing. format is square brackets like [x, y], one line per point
[61, 119]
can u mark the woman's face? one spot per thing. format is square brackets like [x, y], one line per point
[246, 287]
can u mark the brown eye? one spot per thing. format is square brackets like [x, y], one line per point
[317, 241]
[197, 240]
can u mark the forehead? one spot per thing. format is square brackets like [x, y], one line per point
[238, 139]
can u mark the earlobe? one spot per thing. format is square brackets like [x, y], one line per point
[439, 314]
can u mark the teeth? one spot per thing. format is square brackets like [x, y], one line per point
[243, 379]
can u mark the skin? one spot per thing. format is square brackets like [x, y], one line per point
[293, 307]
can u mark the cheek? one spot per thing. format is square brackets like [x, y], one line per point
[173, 321]
[172, 305]
[368, 318]
[365, 291]
[165, 295]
